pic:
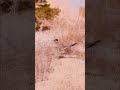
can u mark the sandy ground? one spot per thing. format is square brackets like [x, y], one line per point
[68, 75]
[52, 72]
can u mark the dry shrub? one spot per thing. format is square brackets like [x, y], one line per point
[45, 55]
[68, 31]
[68, 34]
[69, 37]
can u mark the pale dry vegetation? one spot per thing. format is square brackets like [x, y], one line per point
[55, 65]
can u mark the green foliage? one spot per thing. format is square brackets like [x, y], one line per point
[46, 12]
[43, 11]
[37, 27]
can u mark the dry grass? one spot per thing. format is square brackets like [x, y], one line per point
[48, 51]
[68, 75]
[68, 30]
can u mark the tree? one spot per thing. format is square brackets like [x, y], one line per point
[43, 11]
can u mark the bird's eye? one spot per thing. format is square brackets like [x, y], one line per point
[56, 40]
